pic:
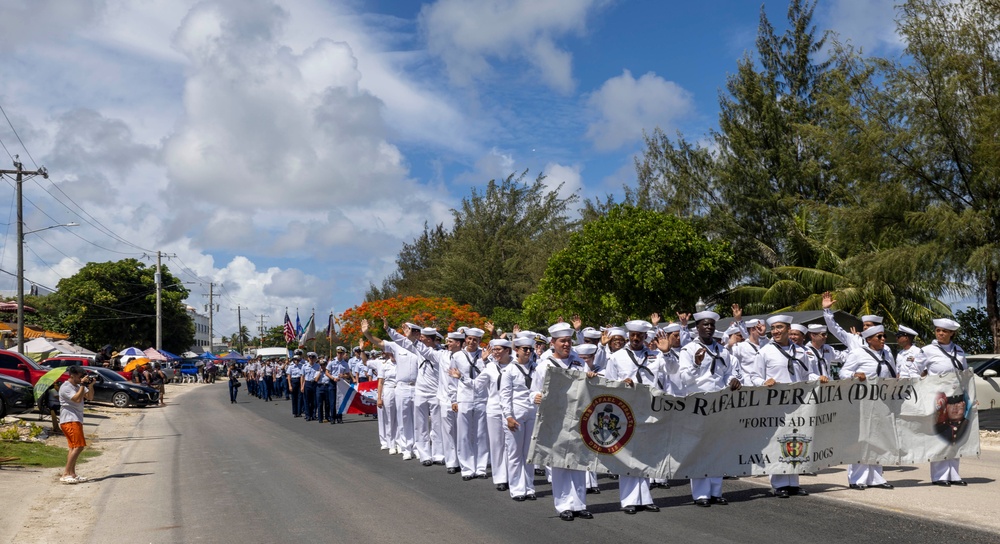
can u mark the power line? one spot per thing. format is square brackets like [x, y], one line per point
[18, 137]
[87, 302]
[99, 226]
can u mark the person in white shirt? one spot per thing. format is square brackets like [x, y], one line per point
[518, 409]
[821, 353]
[469, 395]
[944, 357]
[705, 366]
[909, 357]
[850, 340]
[872, 361]
[569, 487]
[495, 422]
[781, 361]
[633, 364]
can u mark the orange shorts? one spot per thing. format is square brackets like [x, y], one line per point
[74, 434]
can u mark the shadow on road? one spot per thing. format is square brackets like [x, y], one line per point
[120, 475]
[138, 438]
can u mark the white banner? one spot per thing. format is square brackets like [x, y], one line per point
[785, 429]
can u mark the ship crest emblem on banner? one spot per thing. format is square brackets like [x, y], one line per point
[607, 424]
[794, 448]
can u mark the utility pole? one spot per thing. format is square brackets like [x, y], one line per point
[19, 172]
[239, 327]
[260, 336]
[211, 313]
[159, 299]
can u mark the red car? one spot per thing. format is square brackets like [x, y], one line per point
[16, 365]
[63, 360]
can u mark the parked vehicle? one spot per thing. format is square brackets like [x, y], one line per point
[56, 362]
[16, 396]
[15, 365]
[188, 373]
[110, 387]
[987, 370]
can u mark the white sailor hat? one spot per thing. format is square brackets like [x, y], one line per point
[871, 319]
[524, 341]
[586, 349]
[779, 319]
[591, 332]
[946, 324]
[799, 327]
[872, 331]
[526, 334]
[500, 342]
[412, 326]
[707, 314]
[650, 335]
[817, 328]
[560, 330]
[752, 323]
[638, 325]
[429, 331]
[733, 329]
[472, 331]
[458, 335]
[617, 331]
[672, 327]
[903, 329]
[718, 335]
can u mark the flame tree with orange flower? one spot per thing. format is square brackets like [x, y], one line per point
[442, 313]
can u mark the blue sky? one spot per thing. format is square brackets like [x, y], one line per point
[286, 149]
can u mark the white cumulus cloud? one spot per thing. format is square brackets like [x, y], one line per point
[624, 106]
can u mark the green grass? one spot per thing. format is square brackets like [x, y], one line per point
[39, 455]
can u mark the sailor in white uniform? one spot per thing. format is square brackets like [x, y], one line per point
[909, 357]
[872, 361]
[781, 361]
[426, 409]
[633, 364]
[940, 358]
[569, 487]
[518, 408]
[821, 353]
[470, 395]
[706, 366]
[850, 341]
[500, 350]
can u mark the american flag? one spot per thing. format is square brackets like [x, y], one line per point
[289, 329]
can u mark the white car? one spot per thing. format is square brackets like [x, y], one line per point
[987, 369]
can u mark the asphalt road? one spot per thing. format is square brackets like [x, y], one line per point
[204, 470]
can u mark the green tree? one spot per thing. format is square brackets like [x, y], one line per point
[936, 113]
[115, 303]
[494, 254]
[630, 263]
[974, 336]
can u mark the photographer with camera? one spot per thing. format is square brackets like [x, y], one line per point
[72, 393]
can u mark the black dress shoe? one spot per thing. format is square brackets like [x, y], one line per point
[886, 485]
[718, 500]
[703, 502]
[452, 470]
[781, 493]
[439, 463]
[519, 498]
[467, 478]
[631, 510]
[566, 515]
[531, 497]
[959, 482]
[859, 487]
[942, 483]
[481, 476]
[427, 463]
[651, 508]
[502, 487]
[585, 514]
[798, 491]
[593, 491]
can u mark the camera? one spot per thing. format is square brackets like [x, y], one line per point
[87, 380]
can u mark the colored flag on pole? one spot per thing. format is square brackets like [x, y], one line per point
[289, 328]
[298, 324]
[309, 332]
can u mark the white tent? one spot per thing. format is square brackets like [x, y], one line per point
[41, 348]
[69, 348]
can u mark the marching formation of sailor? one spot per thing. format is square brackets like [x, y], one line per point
[446, 400]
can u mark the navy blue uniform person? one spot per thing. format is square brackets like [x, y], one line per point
[234, 382]
[322, 391]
